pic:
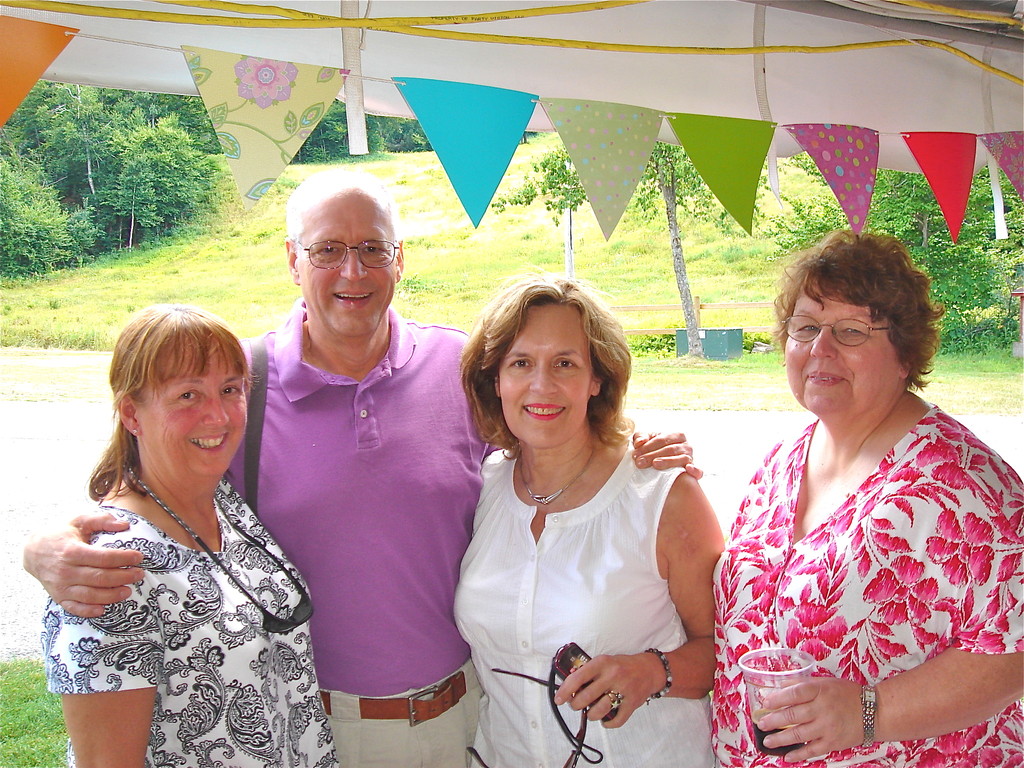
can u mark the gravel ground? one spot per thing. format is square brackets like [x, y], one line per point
[49, 448]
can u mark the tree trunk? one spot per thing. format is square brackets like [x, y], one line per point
[667, 184]
[86, 141]
[131, 230]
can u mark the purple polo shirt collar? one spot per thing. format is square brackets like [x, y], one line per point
[299, 379]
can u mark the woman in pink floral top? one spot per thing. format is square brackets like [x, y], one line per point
[885, 541]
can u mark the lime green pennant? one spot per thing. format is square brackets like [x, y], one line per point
[728, 153]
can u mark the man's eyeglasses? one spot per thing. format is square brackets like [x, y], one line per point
[849, 333]
[332, 254]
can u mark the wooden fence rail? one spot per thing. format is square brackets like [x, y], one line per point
[700, 306]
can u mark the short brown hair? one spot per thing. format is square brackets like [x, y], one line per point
[496, 330]
[159, 343]
[873, 271]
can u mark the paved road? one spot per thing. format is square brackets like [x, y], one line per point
[49, 448]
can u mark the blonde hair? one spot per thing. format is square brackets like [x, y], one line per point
[500, 323]
[159, 343]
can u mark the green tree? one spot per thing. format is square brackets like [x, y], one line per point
[396, 134]
[82, 141]
[680, 186]
[159, 179]
[554, 181]
[668, 176]
[137, 107]
[36, 234]
[972, 278]
[329, 140]
[65, 129]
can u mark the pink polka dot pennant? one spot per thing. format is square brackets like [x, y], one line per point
[610, 145]
[847, 157]
[1008, 150]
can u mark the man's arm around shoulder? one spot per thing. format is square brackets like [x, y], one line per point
[80, 577]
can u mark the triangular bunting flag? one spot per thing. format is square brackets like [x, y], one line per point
[847, 157]
[610, 145]
[1008, 150]
[474, 129]
[26, 49]
[262, 110]
[728, 153]
[947, 161]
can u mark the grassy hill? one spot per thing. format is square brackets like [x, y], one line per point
[235, 265]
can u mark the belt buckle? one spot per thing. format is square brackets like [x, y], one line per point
[424, 695]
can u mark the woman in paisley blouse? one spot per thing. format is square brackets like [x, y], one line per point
[208, 662]
[884, 540]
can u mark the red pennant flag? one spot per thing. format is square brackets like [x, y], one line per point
[947, 161]
[26, 49]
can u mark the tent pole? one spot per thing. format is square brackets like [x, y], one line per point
[355, 113]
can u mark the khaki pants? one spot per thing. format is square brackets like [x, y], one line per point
[437, 743]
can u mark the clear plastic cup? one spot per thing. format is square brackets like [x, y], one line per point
[765, 670]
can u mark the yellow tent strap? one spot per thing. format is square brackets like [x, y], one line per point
[961, 13]
[404, 26]
[292, 19]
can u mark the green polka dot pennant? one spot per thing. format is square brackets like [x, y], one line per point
[610, 145]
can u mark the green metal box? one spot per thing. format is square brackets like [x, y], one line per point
[718, 343]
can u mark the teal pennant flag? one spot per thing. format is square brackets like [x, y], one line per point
[474, 129]
[728, 153]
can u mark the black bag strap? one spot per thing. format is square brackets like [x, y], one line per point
[254, 423]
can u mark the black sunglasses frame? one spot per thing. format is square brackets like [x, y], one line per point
[271, 623]
[577, 740]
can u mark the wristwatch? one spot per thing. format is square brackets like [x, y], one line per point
[868, 703]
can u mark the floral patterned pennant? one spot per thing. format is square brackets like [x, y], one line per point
[1008, 150]
[262, 110]
[610, 145]
[847, 157]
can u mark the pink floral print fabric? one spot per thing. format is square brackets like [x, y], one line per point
[923, 557]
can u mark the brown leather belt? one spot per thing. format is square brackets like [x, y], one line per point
[418, 708]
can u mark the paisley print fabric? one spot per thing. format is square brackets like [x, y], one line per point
[923, 557]
[227, 692]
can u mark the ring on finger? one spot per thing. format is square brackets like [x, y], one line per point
[615, 697]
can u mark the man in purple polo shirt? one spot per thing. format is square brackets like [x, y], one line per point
[369, 475]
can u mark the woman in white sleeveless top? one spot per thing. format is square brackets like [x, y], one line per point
[573, 543]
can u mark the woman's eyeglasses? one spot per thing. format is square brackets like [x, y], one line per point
[271, 623]
[849, 333]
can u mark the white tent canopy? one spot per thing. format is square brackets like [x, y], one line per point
[900, 65]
